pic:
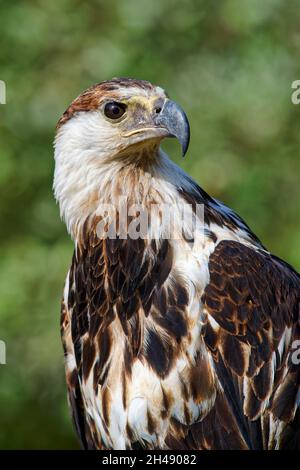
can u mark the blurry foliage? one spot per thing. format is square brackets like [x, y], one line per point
[229, 63]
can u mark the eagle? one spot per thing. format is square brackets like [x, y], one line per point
[170, 342]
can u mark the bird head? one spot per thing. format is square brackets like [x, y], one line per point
[117, 116]
[108, 125]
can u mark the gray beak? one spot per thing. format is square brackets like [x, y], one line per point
[174, 119]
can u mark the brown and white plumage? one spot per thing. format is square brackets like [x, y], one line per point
[168, 344]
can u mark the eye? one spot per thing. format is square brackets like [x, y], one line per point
[114, 110]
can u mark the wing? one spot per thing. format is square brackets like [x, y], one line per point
[252, 327]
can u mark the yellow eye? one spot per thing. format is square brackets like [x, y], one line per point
[114, 110]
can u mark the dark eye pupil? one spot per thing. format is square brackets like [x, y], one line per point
[114, 110]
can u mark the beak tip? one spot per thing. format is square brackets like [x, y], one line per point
[185, 147]
[185, 140]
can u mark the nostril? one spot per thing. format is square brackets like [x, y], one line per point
[158, 110]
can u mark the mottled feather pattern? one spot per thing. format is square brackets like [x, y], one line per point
[254, 302]
[120, 297]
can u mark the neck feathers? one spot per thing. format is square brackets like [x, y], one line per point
[147, 176]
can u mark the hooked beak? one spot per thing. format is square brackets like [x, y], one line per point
[174, 120]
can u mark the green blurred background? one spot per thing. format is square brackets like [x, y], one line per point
[229, 63]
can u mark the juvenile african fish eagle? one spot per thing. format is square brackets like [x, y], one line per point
[170, 342]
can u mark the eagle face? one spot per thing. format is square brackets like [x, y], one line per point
[168, 344]
[110, 125]
[115, 117]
